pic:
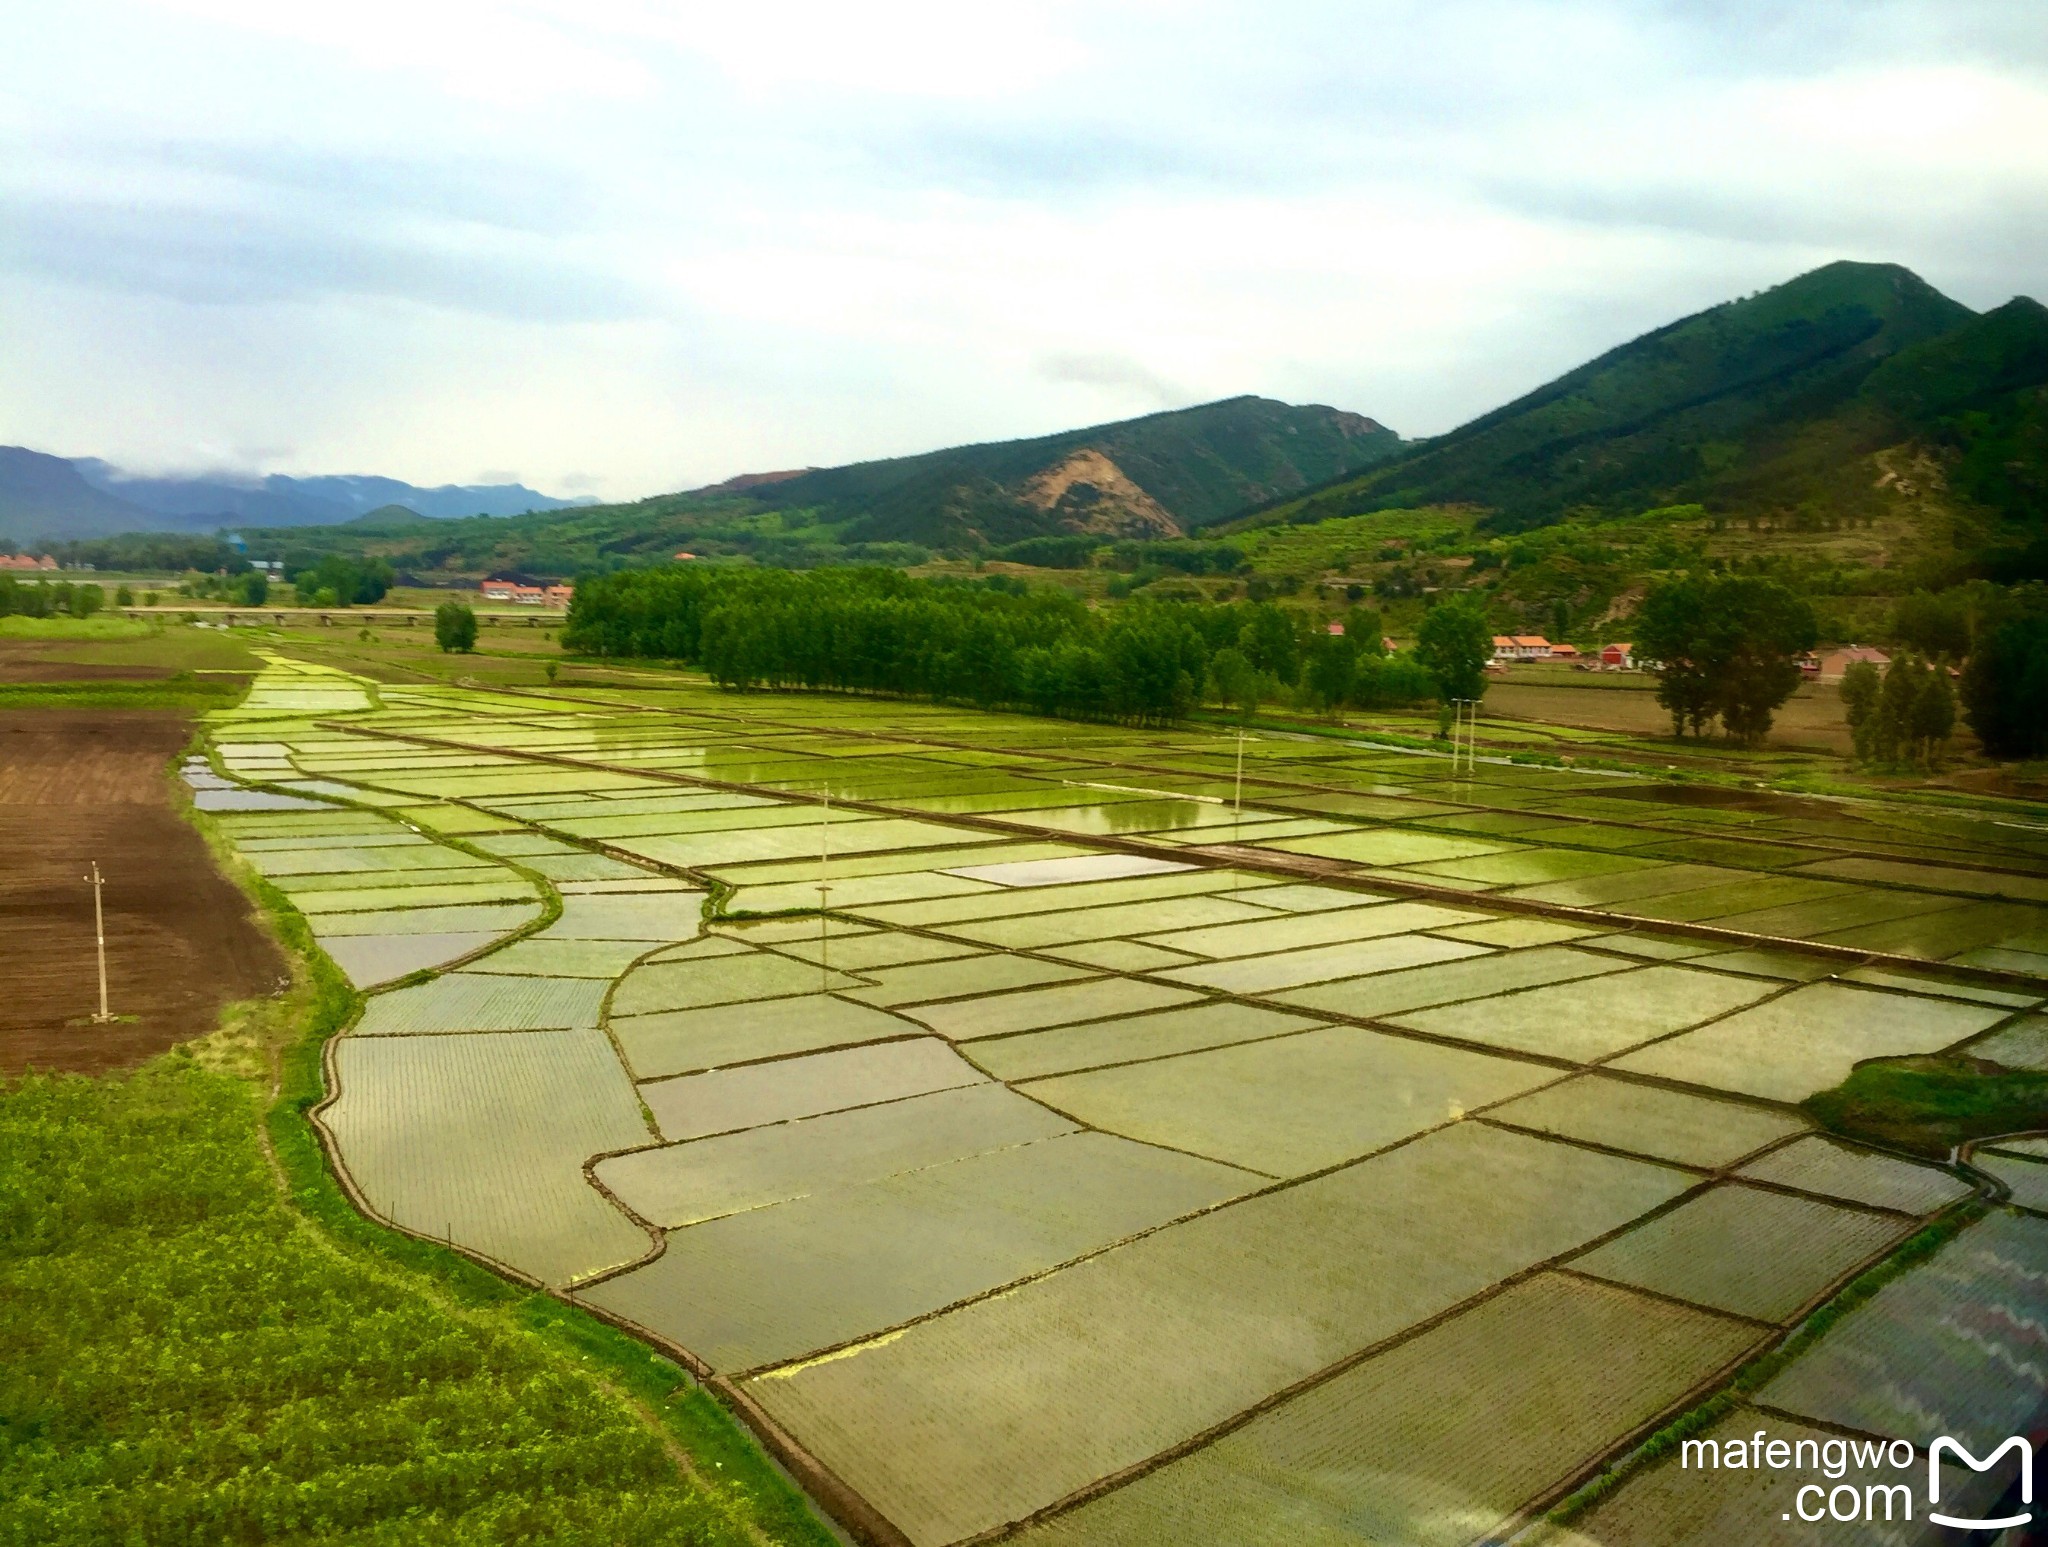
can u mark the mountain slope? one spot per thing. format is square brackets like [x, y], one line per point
[55, 499]
[1691, 411]
[1152, 477]
[44, 496]
[278, 500]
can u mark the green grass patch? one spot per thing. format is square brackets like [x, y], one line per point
[188, 1362]
[194, 1354]
[1929, 1105]
[99, 626]
[183, 691]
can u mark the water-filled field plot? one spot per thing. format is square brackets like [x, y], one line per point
[481, 1139]
[1810, 1039]
[1056, 1179]
[1435, 1441]
[1955, 1345]
[1018, 1400]
[1746, 1251]
[1289, 1105]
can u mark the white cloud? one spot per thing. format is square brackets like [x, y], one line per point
[626, 245]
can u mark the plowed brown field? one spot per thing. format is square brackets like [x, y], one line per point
[79, 785]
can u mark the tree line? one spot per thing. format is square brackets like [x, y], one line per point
[49, 598]
[992, 645]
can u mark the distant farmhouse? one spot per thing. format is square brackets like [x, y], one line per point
[1829, 665]
[23, 561]
[527, 595]
[1522, 647]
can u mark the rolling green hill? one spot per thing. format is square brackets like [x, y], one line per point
[1158, 476]
[1772, 405]
[1141, 478]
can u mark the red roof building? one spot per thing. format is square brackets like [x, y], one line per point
[526, 595]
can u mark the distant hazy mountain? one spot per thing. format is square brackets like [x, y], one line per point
[44, 497]
[50, 497]
[1772, 403]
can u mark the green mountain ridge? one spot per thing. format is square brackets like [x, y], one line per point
[1769, 405]
[1179, 469]
[1147, 478]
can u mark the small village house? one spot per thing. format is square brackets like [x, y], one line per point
[1618, 657]
[1829, 665]
[1521, 647]
[519, 595]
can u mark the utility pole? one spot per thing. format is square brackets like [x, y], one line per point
[1464, 735]
[1237, 819]
[824, 895]
[99, 929]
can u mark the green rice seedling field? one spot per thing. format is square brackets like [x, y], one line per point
[1034, 1130]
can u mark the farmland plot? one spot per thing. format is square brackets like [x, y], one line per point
[1954, 1346]
[1096, 1044]
[970, 1303]
[1585, 1022]
[475, 1001]
[1708, 1132]
[2025, 1177]
[780, 1281]
[1014, 1402]
[694, 1105]
[680, 1184]
[682, 1041]
[1413, 1446]
[1746, 1251]
[482, 1139]
[1836, 1170]
[1289, 1105]
[1809, 1040]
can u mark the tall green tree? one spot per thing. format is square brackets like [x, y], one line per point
[1271, 640]
[2005, 687]
[1860, 690]
[1934, 716]
[1761, 630]
[1453, 645]
[1672, 630]
[455, 627]
[1726, 648]
[1332, 667]
[1234, 682]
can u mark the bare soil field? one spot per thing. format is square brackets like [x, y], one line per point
[90, 784]
[1811, 719]
[19, 665]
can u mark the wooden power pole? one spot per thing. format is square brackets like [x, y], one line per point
[99, 929]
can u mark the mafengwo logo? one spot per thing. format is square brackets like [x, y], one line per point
[1847, 1496]
[1947, 1446]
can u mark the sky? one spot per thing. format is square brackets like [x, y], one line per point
[615, 247]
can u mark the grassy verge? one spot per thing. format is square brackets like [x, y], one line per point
[201, 1341]
[184, 691]
[1930, 1105]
